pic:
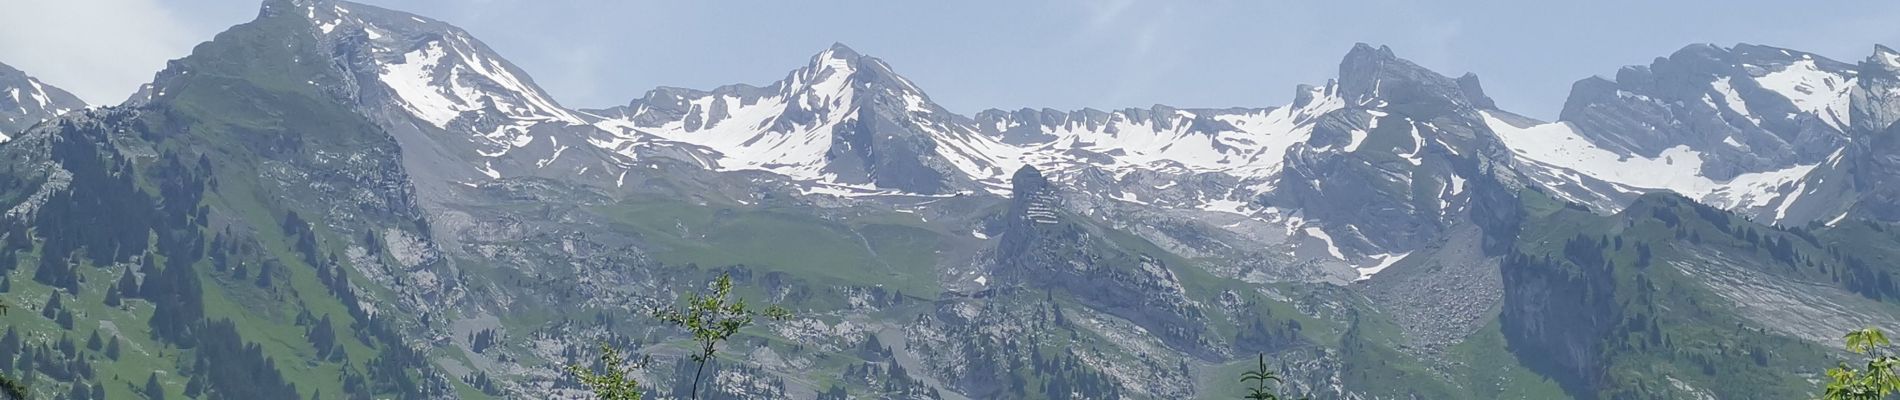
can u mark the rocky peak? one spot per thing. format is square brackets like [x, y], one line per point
[842, 119]
[1304, 94]
[828, 72]
[1874, 106]
[1746, 108]
[1474, 92]
[839, 69]
[25, 101]
[1027, 182]
[1032, 202]
[1369, 73]
[1362, 71]
[1387, 172]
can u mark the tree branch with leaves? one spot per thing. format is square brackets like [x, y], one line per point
[1877, 380]
[713, 318]
[616, 383]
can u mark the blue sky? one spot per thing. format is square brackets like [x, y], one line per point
[972, 55]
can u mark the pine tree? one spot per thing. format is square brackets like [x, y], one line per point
[66, 345]
[80, 391]
[195, 386]
[1264, 381]
[66, 319]
[9, 346]
[146, 266]
[128, 284]
[263, 275]
[323, 336]
[152, 389]
[51, 310]
[112, 349]
[93, 343]
[112, 296]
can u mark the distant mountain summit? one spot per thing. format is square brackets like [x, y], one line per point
[338, 199]
[25, 101]
[1749, 128]
[843, 119]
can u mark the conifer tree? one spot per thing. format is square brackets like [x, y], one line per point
[153, 391]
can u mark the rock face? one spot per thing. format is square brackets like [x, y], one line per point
[25, 101]
[1744, 109]
[1557, 311]
[1857, 180]
[1390, 170]
[1873, 160]
[1747, 128]
[461, 112]
[246, 155]
[1042, 248]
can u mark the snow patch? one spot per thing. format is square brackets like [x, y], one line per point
[1837, 219]
[1817, 92]
[1558, 144]
[1320, 234]
[1732, 99]
[412, 81]
[488, 168]
[438, 88]
[1383, 261]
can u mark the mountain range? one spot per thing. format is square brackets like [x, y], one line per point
[336, 200]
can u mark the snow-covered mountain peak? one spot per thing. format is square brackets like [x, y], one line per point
[1743, 109]
[438, 73]
[843, 119]
[25, 101]
[462, 111]
[839, 75]
[444, 74]
[828, 76]
[1736, 127]
[838, 59]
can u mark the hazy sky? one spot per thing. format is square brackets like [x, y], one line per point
[971, 55]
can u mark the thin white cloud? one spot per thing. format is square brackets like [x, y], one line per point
[101, 50]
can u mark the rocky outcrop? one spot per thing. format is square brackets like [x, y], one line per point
[25, 101]
[1555, 315]
[1389, 171]
[1042, 248]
